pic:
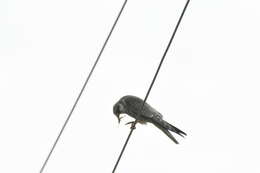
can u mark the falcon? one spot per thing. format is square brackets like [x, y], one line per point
[131, 105]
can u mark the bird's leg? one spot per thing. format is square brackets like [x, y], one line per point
[132, 124]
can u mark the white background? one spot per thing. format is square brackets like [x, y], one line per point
[208, 85]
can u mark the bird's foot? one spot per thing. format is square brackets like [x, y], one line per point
[132, 124]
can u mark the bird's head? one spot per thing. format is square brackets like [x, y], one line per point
[118, 109]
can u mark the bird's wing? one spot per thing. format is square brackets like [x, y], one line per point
[135, 103]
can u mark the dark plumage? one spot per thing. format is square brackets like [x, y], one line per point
[131, 106]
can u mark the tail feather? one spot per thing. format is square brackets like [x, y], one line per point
[175, 129]
[159, 121]
[166, 132]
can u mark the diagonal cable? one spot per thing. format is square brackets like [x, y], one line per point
[152, 83]
[83, 88]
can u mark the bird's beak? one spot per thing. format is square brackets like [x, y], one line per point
[119, 118]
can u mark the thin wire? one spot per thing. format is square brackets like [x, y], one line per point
[151, 85]
[83, 87]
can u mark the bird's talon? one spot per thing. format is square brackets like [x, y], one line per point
[131, 122]
[133, 127]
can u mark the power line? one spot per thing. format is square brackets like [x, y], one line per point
[151, 85]
[83, 87]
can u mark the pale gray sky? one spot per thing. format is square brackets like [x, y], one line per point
[208, 85]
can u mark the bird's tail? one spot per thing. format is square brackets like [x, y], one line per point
[165, 127]
[173, 129]
[164, 130]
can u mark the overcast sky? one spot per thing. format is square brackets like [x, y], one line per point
[208, 85]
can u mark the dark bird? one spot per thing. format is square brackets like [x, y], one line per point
[131, 105]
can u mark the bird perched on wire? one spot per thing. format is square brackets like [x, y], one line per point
[131, 105]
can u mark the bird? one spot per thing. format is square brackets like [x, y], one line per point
[131, 105]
